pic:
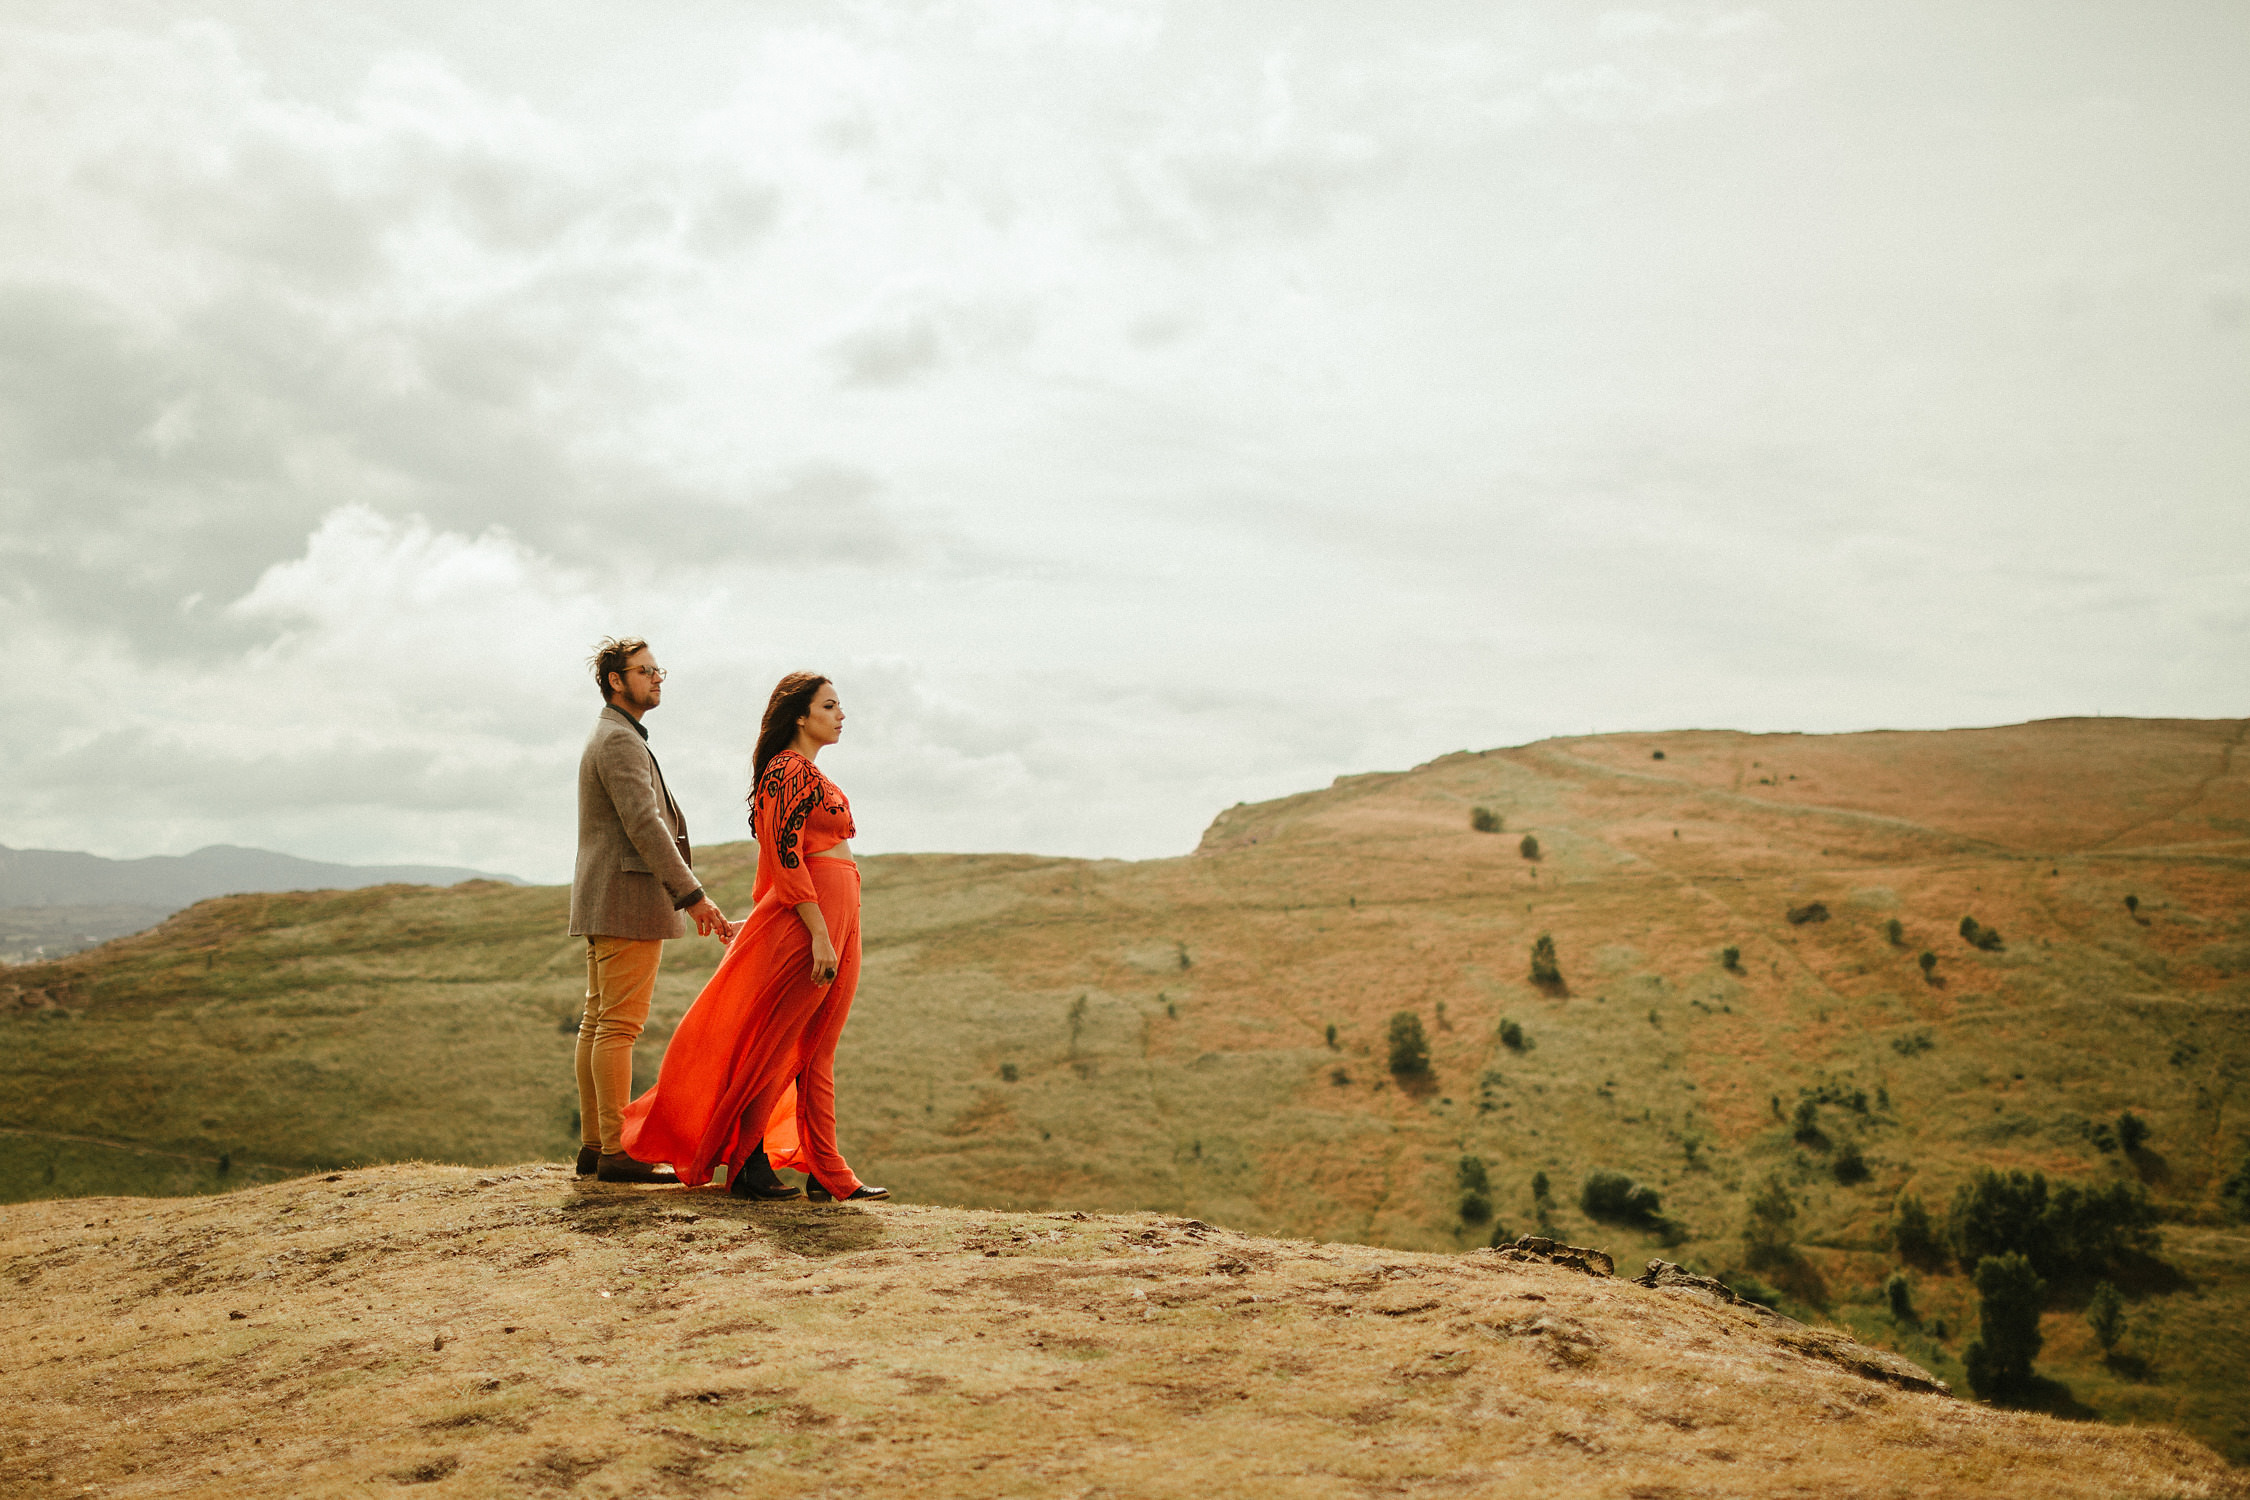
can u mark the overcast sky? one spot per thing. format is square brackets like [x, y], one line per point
[1136, 407]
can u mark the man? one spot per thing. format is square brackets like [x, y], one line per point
[631, 884]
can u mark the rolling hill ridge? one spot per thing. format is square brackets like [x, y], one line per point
[1038, 1034]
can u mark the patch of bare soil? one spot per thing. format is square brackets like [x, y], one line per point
[444, 1332]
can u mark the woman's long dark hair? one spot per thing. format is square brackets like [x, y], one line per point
[791, 701]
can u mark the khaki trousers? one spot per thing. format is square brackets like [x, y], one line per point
[620, 980]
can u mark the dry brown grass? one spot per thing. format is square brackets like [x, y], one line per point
[448, 1332]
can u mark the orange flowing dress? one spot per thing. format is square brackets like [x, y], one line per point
[760, 1042]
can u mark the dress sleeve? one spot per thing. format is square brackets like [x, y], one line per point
[787, 795]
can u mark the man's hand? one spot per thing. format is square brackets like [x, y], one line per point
[710, 921]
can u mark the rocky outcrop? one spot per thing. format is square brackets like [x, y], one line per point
[1532, 1248]
[1836, 1348]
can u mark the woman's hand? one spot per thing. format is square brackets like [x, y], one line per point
[823, 949]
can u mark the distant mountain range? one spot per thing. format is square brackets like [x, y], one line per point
[60, 877]
[58, 901]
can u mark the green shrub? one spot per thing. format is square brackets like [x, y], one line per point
[2132, 1131]
[1529, 848]
[1511, 1036]
[2234, 1193]
[1895, 930]
[1331, 1036]
[2133, 905]
[1811, 911]
[1615, 1198]
[2067, 1230]
[1912, 1234]
[2105, 1315]
[1475, 1208]
[1805, 1124]
[1769, 1229]
[1541, 1192]
[1849, 1166]
[1471, 1176]
[1544, 968]
[1008, 1072]
[1730, 957]
[1979, 936]
[1340, 1076]
[1900, 1297]
[2010, 1294]
[1500, 1235]
[2104, 1138]
[1928, 961]
[1917, 1042]
[1485, 820]
[1410, 1048]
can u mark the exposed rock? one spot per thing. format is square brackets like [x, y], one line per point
[1821, 1343]
[1532, 1247]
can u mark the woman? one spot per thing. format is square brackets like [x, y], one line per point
[749, 1078]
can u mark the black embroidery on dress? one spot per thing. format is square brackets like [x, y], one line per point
[781, 784]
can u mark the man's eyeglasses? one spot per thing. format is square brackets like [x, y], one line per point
[654, 674]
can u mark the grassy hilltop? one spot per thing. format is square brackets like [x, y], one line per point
[515, 1333]
[1040, 1034]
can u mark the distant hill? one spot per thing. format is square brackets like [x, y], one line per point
[1733, 1007]
[56, 901]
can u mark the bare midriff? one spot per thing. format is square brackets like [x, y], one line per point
[842, 851]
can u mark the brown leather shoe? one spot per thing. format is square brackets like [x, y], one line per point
[589, 1157]
[623, 1168]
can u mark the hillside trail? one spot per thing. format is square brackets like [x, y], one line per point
[458, 1333]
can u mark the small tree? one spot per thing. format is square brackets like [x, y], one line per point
[1529, 848]
[1616, 1198]
[1769, 1230]
[1850, 1166]
[1730, 957]
[1805, 1124]
[1900, 1296]
[2009, 1296]
[1511, 1036]
[1977, 935]
[1476, 1190]
[2133, 905]
[1485, 820]
[2132, 1131]
[1895, 930]
[2235, 1191]
[1912, 1234]
[1410, 1048]
[1541, 1190]
[2105, 1315]
[1928, 961]
[1544, 968]
[1331, 1036]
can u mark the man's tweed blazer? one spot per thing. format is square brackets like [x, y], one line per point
[630, 881]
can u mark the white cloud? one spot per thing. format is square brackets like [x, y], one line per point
[1138, 407]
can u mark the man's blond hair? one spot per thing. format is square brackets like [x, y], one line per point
[611, 656]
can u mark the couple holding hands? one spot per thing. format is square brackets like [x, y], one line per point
[748, 1081]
